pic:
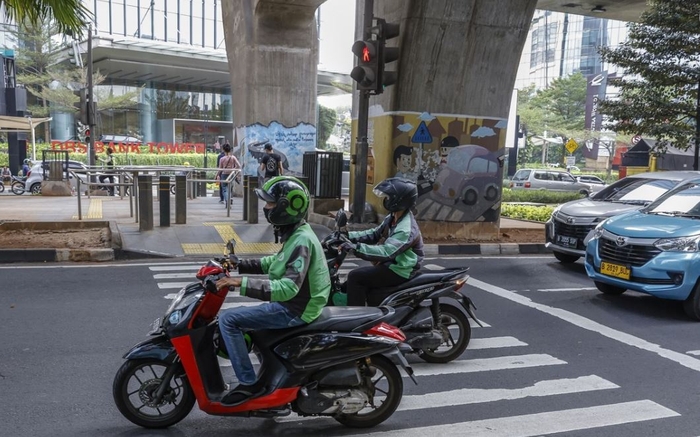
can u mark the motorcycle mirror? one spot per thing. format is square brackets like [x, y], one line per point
[341, 219]
[230, 245]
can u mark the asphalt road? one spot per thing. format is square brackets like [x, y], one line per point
[556, 357]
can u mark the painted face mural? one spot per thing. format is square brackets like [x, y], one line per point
[403, 160]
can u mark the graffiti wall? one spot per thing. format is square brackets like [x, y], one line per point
[290, 143]
[456, 161]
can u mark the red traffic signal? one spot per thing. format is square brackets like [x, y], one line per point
[365, 74]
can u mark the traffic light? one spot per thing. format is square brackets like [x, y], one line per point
[372, 57]
[82, 131]
[366, 73]
[386, 31]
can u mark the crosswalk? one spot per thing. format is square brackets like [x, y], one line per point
[451, 391]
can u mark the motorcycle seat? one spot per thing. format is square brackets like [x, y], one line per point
[421, 278]
[343, 318]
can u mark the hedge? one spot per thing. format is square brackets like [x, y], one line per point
[524, 212]
[539, 196]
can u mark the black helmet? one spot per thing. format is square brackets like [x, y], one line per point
[399, 194]
[290, 196]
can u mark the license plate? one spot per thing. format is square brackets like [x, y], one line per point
[567, 241]
[615, 270]
[518, 184]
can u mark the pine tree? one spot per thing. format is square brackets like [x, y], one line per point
[659, 92]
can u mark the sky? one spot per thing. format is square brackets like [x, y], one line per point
[336, 38]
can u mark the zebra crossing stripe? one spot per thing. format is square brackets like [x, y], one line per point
[551, 422]
[486, 364]
[477, 395]
[170, 268]
[494, 342]
[166, 285]
[173, 275]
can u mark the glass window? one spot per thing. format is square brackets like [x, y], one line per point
[684, 199]
[478, 165]
[521, 175]
[541, 175]
[635, 190]
[565, 177]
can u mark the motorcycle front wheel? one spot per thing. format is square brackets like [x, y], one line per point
[134, 388]
[456, 334]
[384, 384]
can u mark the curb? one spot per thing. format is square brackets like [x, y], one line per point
[55, 255]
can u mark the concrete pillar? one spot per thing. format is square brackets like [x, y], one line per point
[456, 71]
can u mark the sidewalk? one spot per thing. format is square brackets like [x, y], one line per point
[206, 232]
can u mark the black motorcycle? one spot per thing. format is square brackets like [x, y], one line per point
[429, 307]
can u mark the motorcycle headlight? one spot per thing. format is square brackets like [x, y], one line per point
[681, 244]
[174, 318]
[181, 301]
[597, 231]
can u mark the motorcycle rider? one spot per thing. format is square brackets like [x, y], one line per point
[395, 247]
[295, 291]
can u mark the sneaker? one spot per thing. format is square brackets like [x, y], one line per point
[221, 201]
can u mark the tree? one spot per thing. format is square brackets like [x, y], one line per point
[326, 122]
[558, 111]
[70, 16]
[659, 93]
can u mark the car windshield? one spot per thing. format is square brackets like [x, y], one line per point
[521, 175]
[635, 191]
[682, 201]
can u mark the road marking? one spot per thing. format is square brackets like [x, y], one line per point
[165, 285]
[566, 289]
[474, 325]
[693, 352]
[538, 424]
[487, 364]
[433, 267]
[490, 257]
[494, 342]
[468, 396]
[588, 324]
[173, 275]
[170, 268]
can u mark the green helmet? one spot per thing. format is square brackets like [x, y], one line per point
[291, 199]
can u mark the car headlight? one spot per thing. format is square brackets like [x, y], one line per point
[597, 231]
[681, 244]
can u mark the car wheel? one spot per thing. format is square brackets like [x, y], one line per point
[491, 193]
[36, 188]
[691, 305]
[609, 289]
[584, 192]
[470, 196]
[566, 258]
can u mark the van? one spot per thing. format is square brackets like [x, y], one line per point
[547, 179]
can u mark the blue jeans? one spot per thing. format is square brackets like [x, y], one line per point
[225, 191]
[235, 321]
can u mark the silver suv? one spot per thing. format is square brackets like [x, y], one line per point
[547, 179]
[570, 224]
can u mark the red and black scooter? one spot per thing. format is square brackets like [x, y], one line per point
[343, 365]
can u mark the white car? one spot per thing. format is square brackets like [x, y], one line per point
[594, 181]
[36, 175]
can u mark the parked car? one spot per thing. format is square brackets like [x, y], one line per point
[40, 170]
[547, 179]
[573, 168]
[570, 224]
[593, 181]
[655, 250]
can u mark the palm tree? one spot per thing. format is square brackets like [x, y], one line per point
[71, 16]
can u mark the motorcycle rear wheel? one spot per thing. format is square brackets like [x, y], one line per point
[452, 317]
[386, 383]
[133, 389]
[17, 188]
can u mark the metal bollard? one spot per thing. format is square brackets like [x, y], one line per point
[145, 203]
[164, 197]
[180, 200]
[252, 204]
[202, 185]
[245, 197]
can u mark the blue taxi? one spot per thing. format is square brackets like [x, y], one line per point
[655, 250]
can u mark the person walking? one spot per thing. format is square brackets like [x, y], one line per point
[109, 163]
[221, 189]
[271, 163]
[228, 161]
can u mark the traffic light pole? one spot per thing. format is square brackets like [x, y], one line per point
[360, 186]
[90, 100]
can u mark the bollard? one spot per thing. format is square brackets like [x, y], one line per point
[252, 204]
[245, 197]
[180, 200]
[164, 197]
[202, 185]
[145, 203]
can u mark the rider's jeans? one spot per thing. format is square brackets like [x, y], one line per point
[235, 321]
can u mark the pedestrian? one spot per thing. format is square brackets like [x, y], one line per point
[221, 189]
[6, 174]
[109, 164]
[295, 289]
[271, 163]
[228, 161]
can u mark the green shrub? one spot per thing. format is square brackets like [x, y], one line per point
[524, 212]
[538, 196]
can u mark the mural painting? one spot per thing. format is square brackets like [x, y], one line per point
[457, 163]
[290, 143]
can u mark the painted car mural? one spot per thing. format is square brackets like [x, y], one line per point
[471, 173]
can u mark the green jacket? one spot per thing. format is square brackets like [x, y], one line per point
[298, 276]
[398, 246]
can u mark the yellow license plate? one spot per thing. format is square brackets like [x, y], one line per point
[615, 270]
